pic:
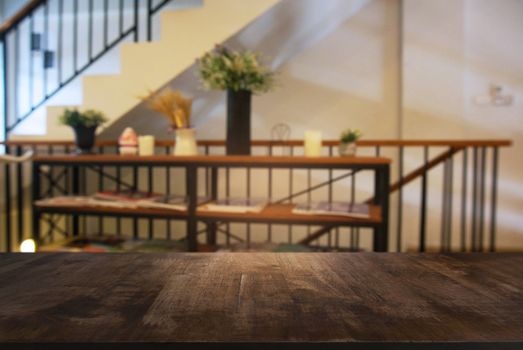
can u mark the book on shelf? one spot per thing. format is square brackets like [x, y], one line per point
[337, 208]
[172, 201]
[122, 199]
[64, 201]
[237, 205]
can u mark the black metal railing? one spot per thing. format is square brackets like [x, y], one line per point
[52, 42]
[458, 216]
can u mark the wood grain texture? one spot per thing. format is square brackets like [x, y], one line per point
[262, 297]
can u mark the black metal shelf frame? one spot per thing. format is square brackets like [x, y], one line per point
[211, 171]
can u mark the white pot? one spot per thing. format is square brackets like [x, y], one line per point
[347, 149]
[185, 142]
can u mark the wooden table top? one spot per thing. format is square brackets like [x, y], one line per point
[360, 298]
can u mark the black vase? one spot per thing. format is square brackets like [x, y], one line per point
[238, 122]
[84, 138]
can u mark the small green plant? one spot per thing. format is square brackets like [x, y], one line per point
[223, 69]
[88, 118]
[350, 135]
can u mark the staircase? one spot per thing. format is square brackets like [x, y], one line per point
[277, 28]
[150, 65]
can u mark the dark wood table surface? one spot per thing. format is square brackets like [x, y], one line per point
[298, 300]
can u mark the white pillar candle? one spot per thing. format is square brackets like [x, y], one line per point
[312, 144]
[146, 145]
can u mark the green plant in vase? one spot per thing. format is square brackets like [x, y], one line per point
[241, 74]
[348, 140]
[84, 125]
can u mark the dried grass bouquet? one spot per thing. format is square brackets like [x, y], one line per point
[172, 105]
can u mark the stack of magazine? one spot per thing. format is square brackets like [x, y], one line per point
[171, 201]
[123, 199]
[237, 205]
[354, 210]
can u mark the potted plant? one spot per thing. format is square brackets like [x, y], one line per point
[84, 125]
[241, 74]
[177, 109]
[348, 140]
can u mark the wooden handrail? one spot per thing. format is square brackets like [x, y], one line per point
[421, 170]
[19, 16]
[296, 143]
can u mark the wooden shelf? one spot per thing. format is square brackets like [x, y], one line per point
[282, 214]
[112, 211]
[274, 213]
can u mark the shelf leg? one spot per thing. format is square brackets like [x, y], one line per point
[36, 196]
[192, 194]
[381, 188]
[76, 192]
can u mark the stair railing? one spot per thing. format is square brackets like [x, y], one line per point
[49, 43]
[466, 215]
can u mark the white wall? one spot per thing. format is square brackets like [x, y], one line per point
[453, 51]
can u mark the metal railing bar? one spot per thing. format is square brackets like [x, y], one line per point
[149, 23]
[443, 206]
[464, 180]
[150, 189]
[20, 196]
[100, 188]
[106, 24]
[482, 198]
[30, 77]
[423, 207]
[90, 30]
[59, 47]
[136, 21]
[493, 199]
[16, 64]
[46, 48]
[450, 203]
[135, 187]
[120, 16]
[75, 36]
[7, 202]
[474, 242]
[399, 222]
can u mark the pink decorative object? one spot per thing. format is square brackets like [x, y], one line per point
[128, 141]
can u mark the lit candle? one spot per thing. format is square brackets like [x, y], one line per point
[312, 143]
[146, 145]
